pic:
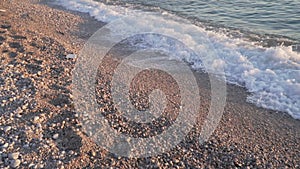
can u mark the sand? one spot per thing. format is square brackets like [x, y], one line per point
[38, 120]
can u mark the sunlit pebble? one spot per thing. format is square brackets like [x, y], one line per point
[18, 115]
[55, 136]
[15, 163]
[46, 146]
[31, 165]
[71, 152]
[5, 145]
[41, 166]
[24, 106]
[13, 156]
[41, 137]
[38, 125]
[36, 118]
[7, 128]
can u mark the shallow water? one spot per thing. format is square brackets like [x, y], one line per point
[261, 16]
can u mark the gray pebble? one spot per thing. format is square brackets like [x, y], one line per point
[4, 155]
[15, 163]
[38, 125]
[14, 156]
[31, 165]
[7, 128]
[55, 136]
[5, 145]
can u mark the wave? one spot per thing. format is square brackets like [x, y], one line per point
[269, 69]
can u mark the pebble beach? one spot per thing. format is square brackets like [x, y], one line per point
[39, 126]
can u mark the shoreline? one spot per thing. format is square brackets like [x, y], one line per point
[37, 38]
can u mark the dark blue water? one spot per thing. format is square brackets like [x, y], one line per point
[277, 17]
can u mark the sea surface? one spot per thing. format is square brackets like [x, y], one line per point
[254, 41]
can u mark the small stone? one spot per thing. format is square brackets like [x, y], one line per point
[14, 156]
[4, 155]
[19, 115]
[55, 136]
[5, 145]
[26, 146]
[31, 165]
[36, 118]
[71, 152]
[39, 125]
[41, 166]
[70, 56]
[6, 26]
[15, 163]
[15, 45]
[19, 110]
[24, 107]
[7, 128]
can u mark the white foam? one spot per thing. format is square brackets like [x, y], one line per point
[272, 74]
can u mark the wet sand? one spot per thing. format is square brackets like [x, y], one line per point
[39, 124]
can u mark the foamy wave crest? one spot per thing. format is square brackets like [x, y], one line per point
[272, 75]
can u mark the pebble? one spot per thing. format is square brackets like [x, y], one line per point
[26, 146]
[55, 136]
[31, 165]
[70, 56]
[7, 128]
[39, 125]
[5, 145]
[40, 166]
[15, 163]
[36, 118]
[19, 115]
[19, 111]
[4, 155]
[24, 107]
[13, 156]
